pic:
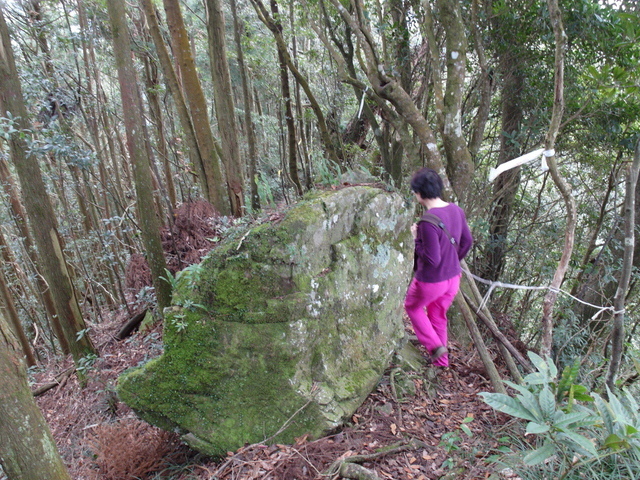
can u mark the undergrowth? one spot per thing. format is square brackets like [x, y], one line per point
[131, 448]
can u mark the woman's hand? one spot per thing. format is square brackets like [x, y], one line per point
[414, 230]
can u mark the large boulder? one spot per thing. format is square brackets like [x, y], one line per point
[285, 328]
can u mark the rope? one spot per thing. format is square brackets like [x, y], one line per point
[493, 285]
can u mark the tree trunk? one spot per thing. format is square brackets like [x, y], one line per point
[39, 209]
[506, 185]
[617, 333]
[21, 287]
[20, 217]
[291, 144]
[485, 85]
[346, 49]
[151, 81]
[225, 107]
[459, 163]
[238, 30]
[136, 145]
[388, 88]
[12, 314]
[27, 449]
[173, 85]
[214, 188]
[483, 352]
[565, 189]
[264, 16]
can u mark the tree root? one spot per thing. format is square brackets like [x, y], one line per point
[347, 467]
[357, 472]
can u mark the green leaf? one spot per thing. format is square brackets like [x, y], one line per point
[579, 388]
[538, 362]
[536, 378]
[547, 402]
[506, 404]
[566, 420]
[536, 428]
[583, 442]
[466, 430]
[619, 410]
[569, 375]
[579, 392]
[631, 403]
[605, 412]
[615, 443]
[528, 400]
[540, 455]
[583, 398]
[553, 370]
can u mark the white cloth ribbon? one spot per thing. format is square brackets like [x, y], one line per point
[364, 94]
[526, 158]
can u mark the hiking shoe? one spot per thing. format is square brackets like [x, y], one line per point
[438, 352]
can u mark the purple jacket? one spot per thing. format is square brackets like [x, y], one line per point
[436, 258]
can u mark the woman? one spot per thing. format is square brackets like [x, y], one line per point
[442, 239]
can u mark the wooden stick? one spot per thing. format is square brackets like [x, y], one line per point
[493, 328]
[131, 325]
[59, 379]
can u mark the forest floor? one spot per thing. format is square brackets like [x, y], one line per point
[432, 421]
[440, 429]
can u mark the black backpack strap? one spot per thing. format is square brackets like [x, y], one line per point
[435, 220]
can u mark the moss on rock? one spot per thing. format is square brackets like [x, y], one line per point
[285, 328]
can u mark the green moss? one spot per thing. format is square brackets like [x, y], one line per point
[248, 375]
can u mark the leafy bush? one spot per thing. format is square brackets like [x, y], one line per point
[574, 441]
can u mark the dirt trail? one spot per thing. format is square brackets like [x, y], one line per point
[428, 414]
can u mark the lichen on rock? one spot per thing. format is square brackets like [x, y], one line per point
[284, 328]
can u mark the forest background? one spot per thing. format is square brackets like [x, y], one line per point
[116, 115]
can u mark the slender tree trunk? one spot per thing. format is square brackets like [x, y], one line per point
[565, 189]
[506, 185]
[27, 449]
[291, 143]
[21, 287]
[133, 118]
[12, 314]
[20, 217]
[345, 47]
[388, 88]
[485, 85]
[151, 81]
[173, 85]
[272, 25]
[459, 164]
[214, 190]
[225, 107]
[238, 30]
[483, 352]
[39, 208]
[617, 333]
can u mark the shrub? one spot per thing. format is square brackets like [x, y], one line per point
[132, 449]
[574, 441]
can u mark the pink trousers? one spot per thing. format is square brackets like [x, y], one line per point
[426, 305]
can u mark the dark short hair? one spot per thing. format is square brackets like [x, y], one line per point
[427, 183]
